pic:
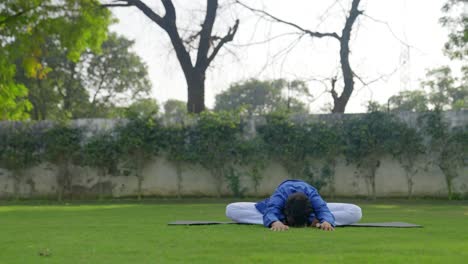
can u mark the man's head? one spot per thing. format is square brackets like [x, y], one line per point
[297, 210]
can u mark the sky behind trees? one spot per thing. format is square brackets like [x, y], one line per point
[389, 32]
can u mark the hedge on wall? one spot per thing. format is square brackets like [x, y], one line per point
[216, 141]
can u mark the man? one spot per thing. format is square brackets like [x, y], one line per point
[297, 204]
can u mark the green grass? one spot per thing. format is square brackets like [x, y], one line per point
[129, 232]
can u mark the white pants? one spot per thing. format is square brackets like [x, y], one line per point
[245, 212]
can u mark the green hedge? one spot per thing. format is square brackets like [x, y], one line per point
[216, 141]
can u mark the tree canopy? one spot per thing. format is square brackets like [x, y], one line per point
[25, 26]
[262, 97]
[93, 86]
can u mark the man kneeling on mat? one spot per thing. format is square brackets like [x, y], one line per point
[297, 204]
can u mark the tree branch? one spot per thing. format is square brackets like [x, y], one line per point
[205, 34]
[309, 32]
[227, 38]
[142, 6]
[18, 14]
[333, 91]
[115, 5]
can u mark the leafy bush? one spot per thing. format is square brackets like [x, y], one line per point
[102, 152]
[20, 148]
[448, 146]
[63, 148]
[138, 141]
[212, 142]
[368, 139]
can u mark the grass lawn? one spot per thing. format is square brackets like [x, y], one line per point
[130, 232]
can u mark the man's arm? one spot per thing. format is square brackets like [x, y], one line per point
[274, 209]
[321, 210]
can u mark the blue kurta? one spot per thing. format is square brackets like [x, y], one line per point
[272, 208]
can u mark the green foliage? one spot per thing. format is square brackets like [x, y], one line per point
[20, 149]
[102, 152]
[446, 93]
[24, 28]
[175, 111]
[448, 146]
[143, 109]
[93, 86]
[252, 154]
[13, 97]
[295, 145]
[139, 140]
[233, 181]
[408, 147]
[456, 21]
[211, 142]
[176, 149]
[414, 101]
[116, 74]
[262, 97]
[63, 148]
[285, 143]
[368, 139]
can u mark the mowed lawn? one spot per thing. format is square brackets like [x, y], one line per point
[130, 232]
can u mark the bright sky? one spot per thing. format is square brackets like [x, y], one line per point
[378, 46]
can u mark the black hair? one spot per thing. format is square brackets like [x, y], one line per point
[297, 210]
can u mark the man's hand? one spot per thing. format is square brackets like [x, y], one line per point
[279, 226]
[325, 226]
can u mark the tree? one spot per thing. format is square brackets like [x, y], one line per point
[24, 27]
[90, 87]
[102, 152]
[297, 145]
[339, 100]
[212, 143]
[252, 154]
[176, 149]
[20, 149]
[116, 74]
[446, 92]
[414, 101]
[194, 71]
[368, 139]
[142, 109]
[408, 148]
[263, 97]
[139, 142]
[448, 146]
[14, 104]
[457, 45]
[175, 111]
[63, 148]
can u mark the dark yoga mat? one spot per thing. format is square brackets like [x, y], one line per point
[383, 224]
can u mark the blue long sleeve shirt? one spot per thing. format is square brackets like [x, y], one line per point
[272, 208]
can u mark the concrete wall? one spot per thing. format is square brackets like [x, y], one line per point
[160, 177]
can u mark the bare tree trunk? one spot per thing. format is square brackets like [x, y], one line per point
[196, 92]
[341, 101]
